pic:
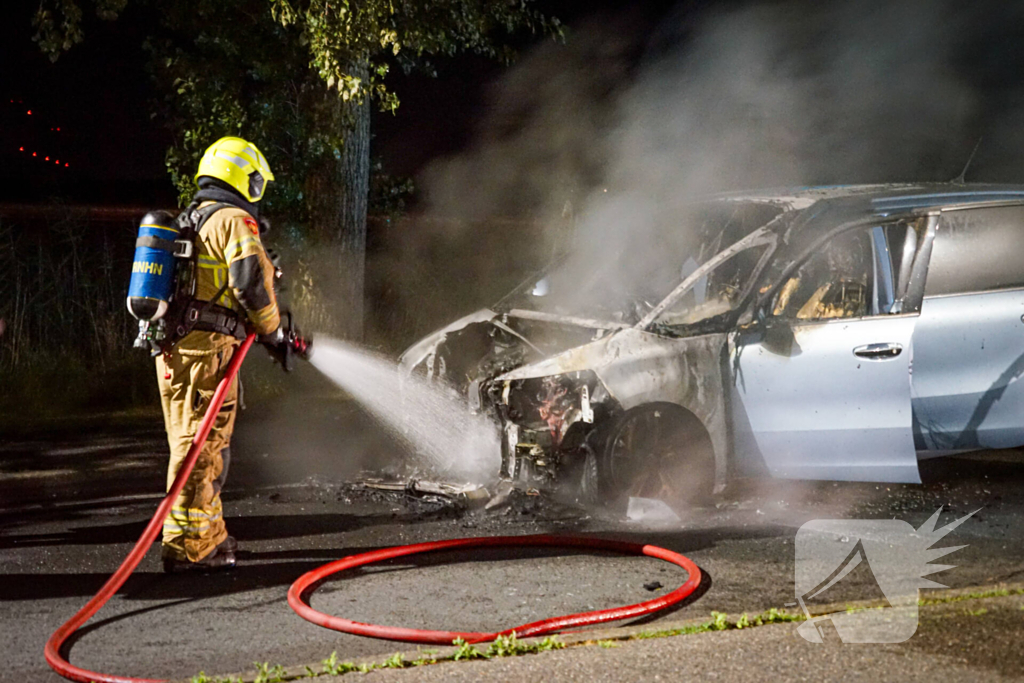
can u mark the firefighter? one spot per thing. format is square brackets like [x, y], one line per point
[234, 293]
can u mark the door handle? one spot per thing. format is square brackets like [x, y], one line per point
[881, 351]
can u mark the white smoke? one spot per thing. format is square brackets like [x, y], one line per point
[782, 94]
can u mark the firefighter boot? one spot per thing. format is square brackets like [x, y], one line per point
[218, 560]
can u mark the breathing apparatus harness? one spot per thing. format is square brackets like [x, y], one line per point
[162, 291]
[183, 312]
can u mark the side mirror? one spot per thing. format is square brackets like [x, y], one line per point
[779, 337]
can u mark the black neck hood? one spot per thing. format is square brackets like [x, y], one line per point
[215, 190]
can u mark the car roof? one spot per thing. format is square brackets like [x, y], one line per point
[880, 199]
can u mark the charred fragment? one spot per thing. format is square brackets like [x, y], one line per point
[549, 424]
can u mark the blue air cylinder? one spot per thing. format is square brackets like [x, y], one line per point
[152, 283]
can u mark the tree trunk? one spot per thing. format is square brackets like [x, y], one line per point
[337, 200]
[355, 184]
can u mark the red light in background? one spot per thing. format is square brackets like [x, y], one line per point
[47, 158]
[21, 149]
[58, 162]
[34, 154]
[30, 112]
[58, 129]
[65, 165]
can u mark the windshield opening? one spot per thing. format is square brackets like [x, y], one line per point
[624, 274]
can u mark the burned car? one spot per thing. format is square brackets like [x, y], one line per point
[836, 333]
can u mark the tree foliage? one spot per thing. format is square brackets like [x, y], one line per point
[288, 73]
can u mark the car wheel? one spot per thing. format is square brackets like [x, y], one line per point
[663, 453]
[589, 480]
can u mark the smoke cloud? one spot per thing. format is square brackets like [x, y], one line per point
[608, 138]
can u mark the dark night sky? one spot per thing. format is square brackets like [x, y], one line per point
[99, 96]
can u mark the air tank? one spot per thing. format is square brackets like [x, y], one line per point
[152, 282]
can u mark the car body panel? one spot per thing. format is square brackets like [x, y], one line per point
[820, 411]
[419, 351]
[968, 360]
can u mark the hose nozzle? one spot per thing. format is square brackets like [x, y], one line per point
[287, 343]
[300, 346]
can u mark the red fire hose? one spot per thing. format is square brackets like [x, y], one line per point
[306, 581]
[536, 628]
[117, 579]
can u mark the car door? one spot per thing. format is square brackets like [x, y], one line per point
[822, 389]
[969, 343]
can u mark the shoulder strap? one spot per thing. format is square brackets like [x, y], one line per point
[192, 314]
[192, 219]
[198, 217]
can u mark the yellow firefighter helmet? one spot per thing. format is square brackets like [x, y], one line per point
[240, 164]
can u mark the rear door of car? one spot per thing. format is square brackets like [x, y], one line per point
[821, 388]
[969, 342]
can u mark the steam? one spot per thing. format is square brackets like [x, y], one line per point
[610, 150]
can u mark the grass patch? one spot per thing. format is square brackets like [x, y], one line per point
[720, 622]
[980, 595]
[511, 646]
[503, 646]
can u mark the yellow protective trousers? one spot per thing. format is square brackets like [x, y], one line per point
[187, 381]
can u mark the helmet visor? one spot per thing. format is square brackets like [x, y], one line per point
[256, 185]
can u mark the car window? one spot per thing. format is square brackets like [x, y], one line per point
[977, 250]
[715, 293]
[837, 281]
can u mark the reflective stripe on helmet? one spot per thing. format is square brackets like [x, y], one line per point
[238, 161]
[257, 156]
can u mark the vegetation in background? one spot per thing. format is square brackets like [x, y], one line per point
[67, 348]
[66, 343]
[298, 78]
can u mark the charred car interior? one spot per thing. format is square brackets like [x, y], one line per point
[766, 335]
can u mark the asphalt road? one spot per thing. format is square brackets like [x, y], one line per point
[73, 502]
[953, 643]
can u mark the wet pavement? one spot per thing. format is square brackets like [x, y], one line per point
[72, 504]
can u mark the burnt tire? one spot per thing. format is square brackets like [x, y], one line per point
[579, 478]
[657, 452]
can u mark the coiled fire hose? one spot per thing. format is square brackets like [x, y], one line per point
[305, 583]
[536, 628]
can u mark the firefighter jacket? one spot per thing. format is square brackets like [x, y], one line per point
[230, 253]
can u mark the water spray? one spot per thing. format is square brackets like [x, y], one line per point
[431, 420]
[358, 372]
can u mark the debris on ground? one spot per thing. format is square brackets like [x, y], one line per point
[476, 506]
[650, 510]
[534, 504]
[464, 494]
